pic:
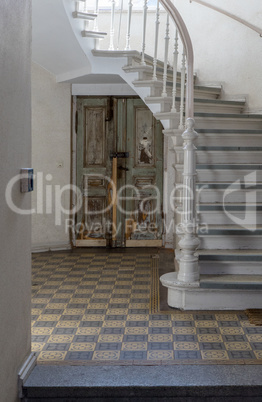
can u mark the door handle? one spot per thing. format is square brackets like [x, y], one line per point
[123, 168]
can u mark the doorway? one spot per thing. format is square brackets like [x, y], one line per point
[119, 158]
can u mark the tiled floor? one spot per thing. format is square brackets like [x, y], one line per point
[104, 307]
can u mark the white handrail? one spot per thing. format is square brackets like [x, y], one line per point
[230, 15]
[186, 40]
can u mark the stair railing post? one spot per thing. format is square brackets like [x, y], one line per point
[188, 264]
[120, 24]
[144, 34]
[175, 57]
[95, 28]
[112, 26]
[182, 90]
[130, 5]
[156, 40]
[164, 93]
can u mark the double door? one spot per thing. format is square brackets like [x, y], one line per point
[119, 173]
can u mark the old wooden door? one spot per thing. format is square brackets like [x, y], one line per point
[114, 126]
[95, 141]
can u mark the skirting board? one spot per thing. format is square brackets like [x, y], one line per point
[25, 371]
[91, 243]
[42, 248]
[143, 243]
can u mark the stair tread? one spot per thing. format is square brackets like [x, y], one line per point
[228, 131]
[216, 89]
[230, 206]
[232, 166]
[227, 149]
[231, 281]
[240, 102]
[84, 15]
[229, 252]
[229, 115]
[223, 186]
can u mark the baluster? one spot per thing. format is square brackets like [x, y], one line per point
[164, 93]
[95, 28]
[156, 41]
[120, 23]
[175, 54]
[188, 264]
[85, 6]
[112, 28]
[144, 33]
[182, 90]
[130, 5]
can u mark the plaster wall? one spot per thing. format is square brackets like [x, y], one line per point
[51, 122]
[15, 153]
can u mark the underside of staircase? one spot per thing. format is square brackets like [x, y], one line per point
[229, 185]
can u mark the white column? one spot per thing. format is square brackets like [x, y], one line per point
[156, 40]
[175, 56]
[182, 89]
[164, 93]
[112, 27]
[130, 5]
[144, 34]
[188, 264]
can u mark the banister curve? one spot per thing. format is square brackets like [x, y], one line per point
[185, 37]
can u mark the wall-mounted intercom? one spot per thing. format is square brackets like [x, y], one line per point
[27, 180]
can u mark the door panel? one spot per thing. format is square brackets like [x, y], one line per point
[95, 141]
[107, 125]
[144, 198]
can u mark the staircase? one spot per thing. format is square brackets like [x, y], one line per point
[229, 181]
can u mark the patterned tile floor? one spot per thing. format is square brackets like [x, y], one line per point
[89, 308]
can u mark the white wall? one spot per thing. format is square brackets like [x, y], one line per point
[15, 153]
[51, 116]
[225, 50]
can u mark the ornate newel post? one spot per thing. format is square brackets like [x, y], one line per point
[188, 264]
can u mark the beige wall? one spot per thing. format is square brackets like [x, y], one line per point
[51, 115]
[15, 152]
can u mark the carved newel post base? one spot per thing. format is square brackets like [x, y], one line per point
[188, 264]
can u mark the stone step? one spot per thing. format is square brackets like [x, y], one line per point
[155, 89]
[216, 155]
[84, 15]
[138, 383]
[93, 34]
[222, 172]
[216, 137]
[212, 292]
[235, 193]
[229, 172]
[244, 262]
[224, 121]
[230, 237]
[145, 72]
[229, 214]
[244, 282]
[200, 105]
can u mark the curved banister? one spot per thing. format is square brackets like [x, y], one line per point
[230, 15]
[185, 37]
